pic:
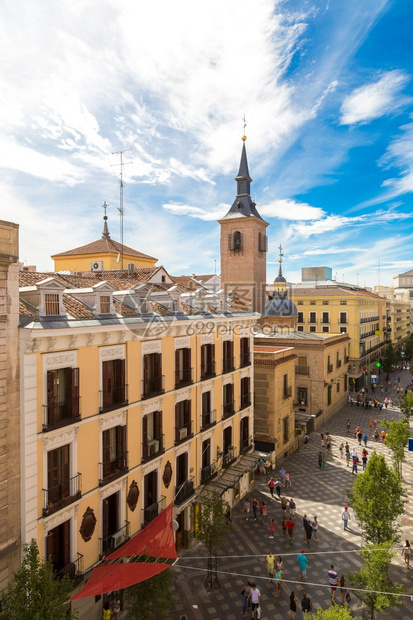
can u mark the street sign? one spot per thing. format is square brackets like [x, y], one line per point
[411, 444]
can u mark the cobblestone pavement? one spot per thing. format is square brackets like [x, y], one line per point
[321, 493]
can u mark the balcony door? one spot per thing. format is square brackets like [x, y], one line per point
[114, 450]
[58, 546]
[227, 438]
[206, 453]
[244, 433]
[110, 519]
[62, 395]
[58, 474]
[151, 489]
[113, 383]
[181, 469]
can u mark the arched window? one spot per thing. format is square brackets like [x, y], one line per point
[237, 240]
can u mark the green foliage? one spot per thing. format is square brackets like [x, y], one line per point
[335, 612]
[408, 349]
[150, 598]
[406, 405]
[390, 359]
[374, 576]
[35, 593]
[376, 498]
[397, 437]
[212, 528]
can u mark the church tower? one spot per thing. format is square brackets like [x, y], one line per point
[244, 244]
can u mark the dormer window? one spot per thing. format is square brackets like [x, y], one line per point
[52, 304]
[104, 304]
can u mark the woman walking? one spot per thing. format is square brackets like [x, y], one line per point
[293, 605]
[320, 460]
[292, 508]
[263, 511]
[284, 527]
[245, 592]
[272, 528]
[341, 450]
[278, 581]
[343, 589]
[315, 527]
[287, 480]
[407, 552]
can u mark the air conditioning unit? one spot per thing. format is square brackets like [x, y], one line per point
[96, 265]
[183, 433]
[117, 539]
[213, 468]
[153, 447]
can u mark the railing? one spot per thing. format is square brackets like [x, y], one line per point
[208, 370]
[62, 494]
[369, 319]
[228, 364]
[151, 449]
[302, 370]
[245, 444]
[74, 570]
[184, 491]
[313, 320]
[208, 419]
[346, 359]
[329, 368]
[245, 401]
[229, 456]
[113, 468]
[208, 472]
[228, 409]
[61, 414]
[325, 321]
[153, 387]
[343, 321]
[183, 377]
[338, 364]
[152, 511]
[183, 433]
[245, 359]
[111, 543]
[114, 398]
[287, 392]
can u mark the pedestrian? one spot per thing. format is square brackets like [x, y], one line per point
[407, 552]
[341, 450]
[324, 456]
[272, 528]
[115, 609]
[293, 605]
[376, 434]
[306, 603]
[292, 507]
[305, 521]
[106, 611]
[332, 576]
[261, 466]
[277, 485]
[328, 446]
[365, 438]
[284, 506]
[287, 481]
[355, 463]
[282, 476]
[364, 461]
[308, 532]
[322, 437]
[290, 528]
[284, 527]
[302, 562]
[254, 597]
[375, 422]
[279, 564]
[245, 593]
[255, 506]
[263, 511]
[359, 437]
[348, 424]
[228, 515]
[320, 459]
[306, 440]
[315, 527]
[247, 507]
[271, 485]
[348, 457]
[270, 563]
[343, 589]
[278, 578]
[383, 435]
[345, 516]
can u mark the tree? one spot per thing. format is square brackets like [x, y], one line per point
[374, 576]
[406, 405]
[150, 598]
[35, 592]
[331, 613]
[397, 437]
[376, 498]
[408, 348]
[390, 359]
[211, 530]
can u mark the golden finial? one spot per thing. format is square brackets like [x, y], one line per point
[244, 137]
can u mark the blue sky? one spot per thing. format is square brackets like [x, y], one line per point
[326, 89]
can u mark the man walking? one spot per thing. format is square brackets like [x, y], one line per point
[332, 576]
[277, 485]
[302, 561]
[270, 562]
[306, 603]
[255, 506]
[282, 476]
[290, 528]
[255, 596]
[345, 516]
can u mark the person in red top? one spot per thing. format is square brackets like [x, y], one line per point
[332, 576]
[290, 528]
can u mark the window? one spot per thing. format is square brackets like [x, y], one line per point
[302, 396]
[325, 303]
[104, 304]
[329, 395]
[302, 365]
[152, 375]
[262, 242]
[343, 330]
[312, 303]
[183, 425]
[114, 389]
[163, 278]
[300, 303]
[235, 241]
[244, 434]
[300, 317]
[245, 392]
[52, 305]
[286, 387]
[329, 364]
[338, 386]
[58, 476]
[343, 317]
[183, 370]
[152, 437]
[58, 549]
[312, 328]
[62, 398]
[326, 329]
[227, 356]
[343, 303]
[300, 328]
[325, 317]
[245, 357]
[228, 400]
[285, 430]
[345, 383]
[207, 415]
[114, 454]
[313, 317]
[207, 361]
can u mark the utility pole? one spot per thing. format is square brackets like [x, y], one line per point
[120, 208]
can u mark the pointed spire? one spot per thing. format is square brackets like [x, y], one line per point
[243, 178]
[105, 233]
[280, 260]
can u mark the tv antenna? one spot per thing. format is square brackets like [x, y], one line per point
[120, 208]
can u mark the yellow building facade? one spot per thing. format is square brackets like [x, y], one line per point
[398, 315]
[124, 412]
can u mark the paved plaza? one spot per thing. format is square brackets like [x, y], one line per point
[321, 493]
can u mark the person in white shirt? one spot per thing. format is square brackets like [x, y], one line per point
[345, 515]
[255, 595]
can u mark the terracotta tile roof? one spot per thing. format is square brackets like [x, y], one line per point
[160, 309]
[123, 309]
[104, 246]
[186, 282]
[188, 309]
[336, 291]
[30, 278]
[27, 310]
[76, 308]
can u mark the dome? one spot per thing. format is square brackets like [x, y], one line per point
[280, 279]
[280, 306]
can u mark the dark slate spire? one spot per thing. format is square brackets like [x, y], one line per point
[243, 205]
[105, 233]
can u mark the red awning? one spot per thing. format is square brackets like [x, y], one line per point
[155, 540]
[111, 577]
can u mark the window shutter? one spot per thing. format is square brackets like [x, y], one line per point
[105, 519]
[51, 382]
[74, 379]
[177, 421]
[187, 412]
[202, 360]
[50, 547]
[158, 364]
[212, 353]
[107, 378]
[145, 437]
[65, 470]
[187, 359]
[66, 542]
[177, 365]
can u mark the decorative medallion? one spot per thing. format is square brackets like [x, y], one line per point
[88, 524]
[133, 495]
[167, 474]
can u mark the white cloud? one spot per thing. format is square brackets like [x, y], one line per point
[328, 224]
[331, 250]
[289, 209]
[374, 100]
[215, 213]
